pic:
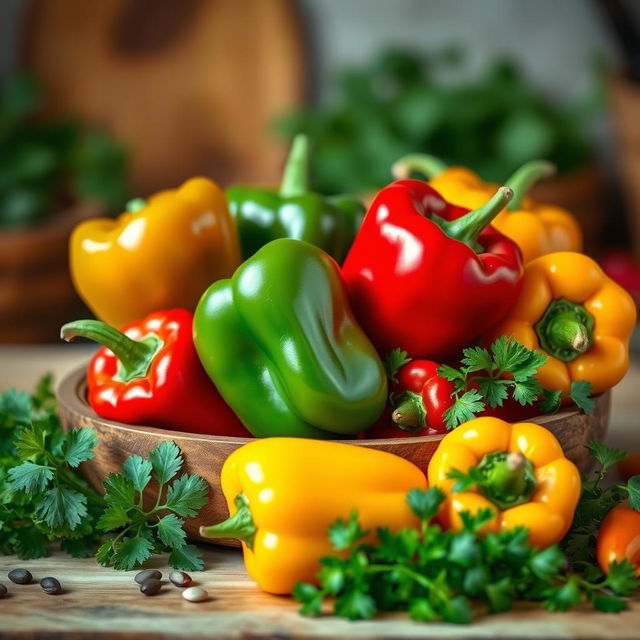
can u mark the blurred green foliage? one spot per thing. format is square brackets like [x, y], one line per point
[45, 165]
[403, 103]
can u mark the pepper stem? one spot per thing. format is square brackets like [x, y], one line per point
[419, 162]
[467, 228]
[525, 177]
[565, 331]
[239, 526]
[294, 178]
[508, 478]
[134, 356]
[410, 413]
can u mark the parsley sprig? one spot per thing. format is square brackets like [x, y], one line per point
[438, 575]
[143, 530]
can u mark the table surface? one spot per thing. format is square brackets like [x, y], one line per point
[103, 603]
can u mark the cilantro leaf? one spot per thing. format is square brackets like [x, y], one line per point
[119, 491]
[529, 365]
[138, 471]
[508, 354]
[475, 521]
[605, 455]
[451, 374]
[78, 446]
[526, 391]
[344, 534]
[113, 517]
[463, 409]
[310, 597]
[546, 564]
[622, 578]
[465, 480]
[477, 359]
[332, 577]
[579, 394]
[425, 503]
[633, 487]
[187, 495]
[30, 442]
[165, 460]
[62, 507]
[393, 361]
[550, 400]
[30, 477]
[608, 604]
[186, 558]
[500, 595]
[564, 597]
[132, 552]
[355, 605]
[457, 610]
[495, 392]
[421, 610]
[170, 531]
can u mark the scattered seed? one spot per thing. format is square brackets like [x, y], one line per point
[180, 578]
[3, 590]
[151, 586]
[51, 585]
[195, 594]
[146, 574]
[20, 576]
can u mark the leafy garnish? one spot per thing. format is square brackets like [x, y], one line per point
[395, 359]
[579, 394]
[141, 530]
[436, 575]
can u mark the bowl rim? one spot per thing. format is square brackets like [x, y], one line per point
[71, 393]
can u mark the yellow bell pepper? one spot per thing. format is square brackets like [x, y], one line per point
[536, 228]
[284, 493]
[570, 310]
[160, 254]
[527, 481]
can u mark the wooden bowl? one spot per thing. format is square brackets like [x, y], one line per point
[204, 454]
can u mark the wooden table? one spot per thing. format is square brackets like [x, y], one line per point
[103, 603]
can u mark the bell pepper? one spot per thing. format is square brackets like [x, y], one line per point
[619, 538]
[162, 253]
[281, 345]
[526, 479]
[293, 211]
[284, 493]
[429, 277]
[149, 374]
[570, 310]
[536, 228]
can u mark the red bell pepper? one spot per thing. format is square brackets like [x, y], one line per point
[427, 276]
[150, 374]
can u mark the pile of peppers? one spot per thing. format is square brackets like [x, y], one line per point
[259, 312]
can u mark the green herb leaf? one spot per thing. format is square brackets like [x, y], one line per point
[30, 477]
[344, 534]
[31, 442]
[170, 531]
[113, 517]
[608, 604]
[186, 558]
[119, 491]
[355, 605]
[78, 446]
[605, 455]
[500, 596]
[546, 564]
[463, 409]
[621, 578]
[62, 507]
[421, 610]
[633, 487]
[451, 374]
[477, 359]
[550, 400]
[425, 503]
[165, 460]
[564, 597]
[132, 552]
[465, 480]
[495, 392]
[527, 391]
[393, 361]
[138, 471]
[579, 394]
[310, 597]
[187, 495]
[457, 610]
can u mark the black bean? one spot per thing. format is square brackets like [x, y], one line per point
[180, 578]
[151, 586]
[3, 590]
[51, 585]
[146, 574]
[20, 576]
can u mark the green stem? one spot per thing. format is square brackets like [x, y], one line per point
[294, 178]
[525, 177]
[565, 331]
[410, 413]
[467, 228]
[508, 479]
[430, 166]
[134, 356]
[418, 577]
[240, 525]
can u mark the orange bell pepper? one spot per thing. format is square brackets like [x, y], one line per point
[527, 479]
[160, 254]
[284, 493]
[536, 228]
[619, 538]
[569, 309]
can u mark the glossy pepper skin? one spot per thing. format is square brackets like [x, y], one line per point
[429, 277]
[536, 228]
[284, 493]
[280, 343]
[543, 486]
[161, 254]
[619, 538]
[150, 374]
[570, 310]
[293, 211]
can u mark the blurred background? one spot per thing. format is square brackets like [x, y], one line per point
[104, 101]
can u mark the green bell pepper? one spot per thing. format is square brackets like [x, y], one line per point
[279, 341]
[263, 215]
